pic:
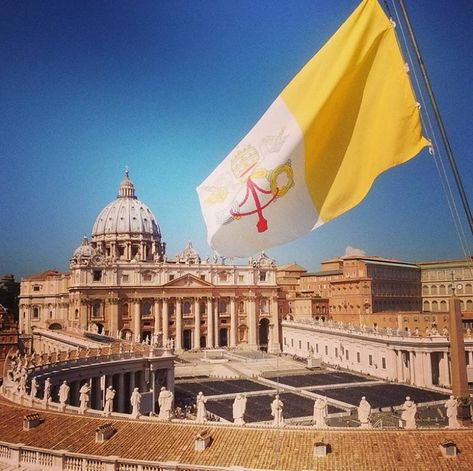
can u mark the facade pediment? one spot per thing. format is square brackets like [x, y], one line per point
[188, 281]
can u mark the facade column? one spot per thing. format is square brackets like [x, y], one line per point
[470, 359]
[251, 315]
[83, 314]
[216, 321]
[178, 339]
[210, 324]
[444, 368]
[136, 320]
[95, 396]
[196, 324]
[275, 346]
[165, 322]
[419, 369]
[399, 373]
[157, 316]
[233, 323]
[113, 327]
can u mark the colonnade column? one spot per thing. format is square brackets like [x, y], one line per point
[444, 376]
[136, 320]
[427, 369]
[275, 346]
[411, 367]
[165, 322]
[233, 323]
[251, 315]
[210, 324]
[121, 392]
[178, 339]
[196, 323]
[157, 316]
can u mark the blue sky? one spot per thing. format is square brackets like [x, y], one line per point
[169, 88]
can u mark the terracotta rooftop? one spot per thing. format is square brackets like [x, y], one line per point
[43, 275]
[252, 448]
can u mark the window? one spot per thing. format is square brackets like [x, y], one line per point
[370, 360]
[146, 309]
[300, 344]
[125, 278]
[36, 288]
[171, 277]
[147, 277]
[316, 348]
[336, 352]
[358, 357]
[97, 275]
[125, 310]
[292, 342]
[202, 277]
[241, 278]
[186, 307]
[326, 350]
[347, 355]
[36, 312]
[76, 313]
[262, 276]
[96, 310]
[383, 363]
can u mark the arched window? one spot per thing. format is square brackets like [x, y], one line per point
[222, 306]
[435, 306]
[125, 310]
[433, 289]
[443, 306]
[426, 306]
[36, 312]
[469, 305]
[442, 289]
[425, 290]
[468, 289]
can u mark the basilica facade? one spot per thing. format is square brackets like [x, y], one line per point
[122, 283]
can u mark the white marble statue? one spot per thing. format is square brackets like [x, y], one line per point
[452, 411]
[364, 413]
[47, 392]
[22, 382]
[320, 413]
[165, 404]
[108, 406]
[239, 408]
[276, 411]
[201, 410]
[408, 415]
[135, 401]
[84, 398]
[34, 388]
[63, 394]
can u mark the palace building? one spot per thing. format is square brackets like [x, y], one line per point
[121, 283]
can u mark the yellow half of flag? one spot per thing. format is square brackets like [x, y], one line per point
[346, 117]
[354, 104]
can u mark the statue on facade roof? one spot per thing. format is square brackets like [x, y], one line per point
[135, 401]
[34, 387]
[165, 404]
[239, 408]
[276, 411]
[364, 413]
[201, 410]
[84, 398]
[47, 392]
[109, 396]
[452, 412]
[63, 394]
[408, 415]
[320, 413]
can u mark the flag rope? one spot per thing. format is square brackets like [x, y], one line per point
[436, 151]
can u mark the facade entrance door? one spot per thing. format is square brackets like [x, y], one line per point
[263, 334]
[187, 339]
[223, 337]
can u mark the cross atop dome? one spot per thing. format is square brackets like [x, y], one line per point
[126, 190]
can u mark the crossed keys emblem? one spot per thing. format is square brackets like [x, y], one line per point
[262, 187]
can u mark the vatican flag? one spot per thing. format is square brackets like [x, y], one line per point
[346, 117]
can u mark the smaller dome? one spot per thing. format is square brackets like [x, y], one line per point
[84, 250]
[188, 255]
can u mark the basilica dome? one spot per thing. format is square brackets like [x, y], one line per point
[126, 215]
[126, 229]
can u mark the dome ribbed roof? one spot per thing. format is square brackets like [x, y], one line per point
[125, 215]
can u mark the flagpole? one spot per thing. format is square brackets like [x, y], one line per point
[438, 118]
